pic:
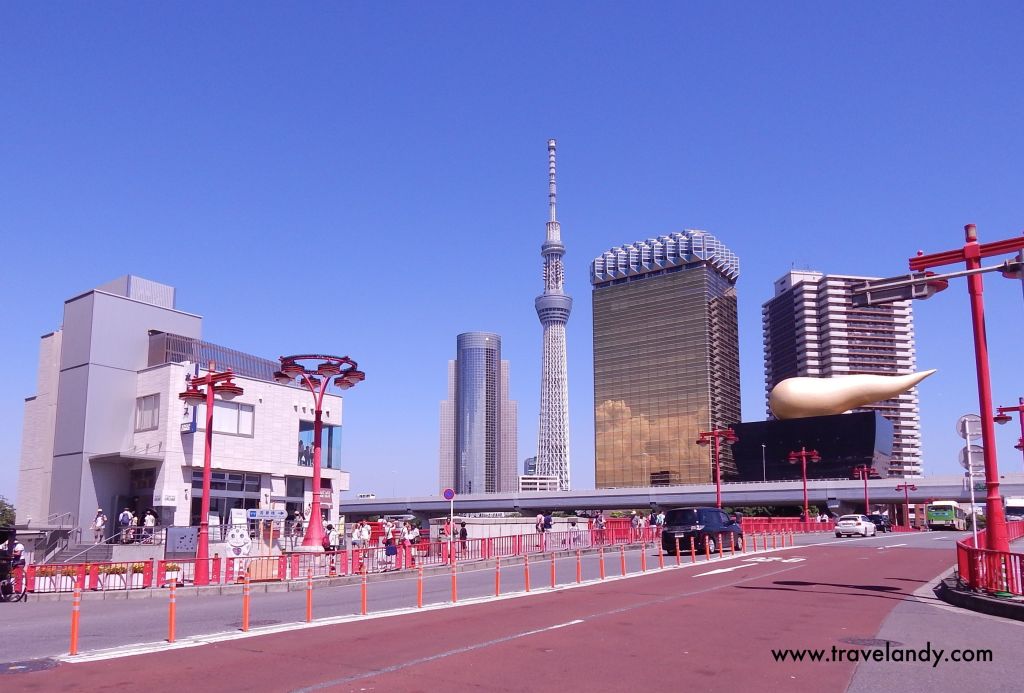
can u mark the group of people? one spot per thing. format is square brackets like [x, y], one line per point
[397, 538]
[128, 523]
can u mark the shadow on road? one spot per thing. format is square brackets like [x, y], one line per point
[876, 591]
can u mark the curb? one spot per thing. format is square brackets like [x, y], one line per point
[949, 591]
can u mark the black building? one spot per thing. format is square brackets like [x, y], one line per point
[844, 441]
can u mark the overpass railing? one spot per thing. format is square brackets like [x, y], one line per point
[986, 570]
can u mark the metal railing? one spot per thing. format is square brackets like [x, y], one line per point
[985, 570]
[60, 518]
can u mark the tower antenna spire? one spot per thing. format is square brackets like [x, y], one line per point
[552, 188]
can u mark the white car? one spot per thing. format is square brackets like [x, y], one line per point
[849, 525]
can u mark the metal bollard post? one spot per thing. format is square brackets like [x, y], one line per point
[707, 552]
[553, 577]
[455, 587]
[643, 557]
[732, 542]
[76, 607]
[245, 601]
[661, 556]
[526, 571]
[622, 557]
[579, 567]
[419, 587]
[171, 609]
[309, 596]
[678, 557]
[775, 540]
[721, 548]
[497, 576]
[600, 554]
[363, 592]
[693, 551]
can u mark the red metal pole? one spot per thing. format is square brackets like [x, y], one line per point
[867, 506]
[994, 516]
[202, 576]
[803, 468]
[314, 525]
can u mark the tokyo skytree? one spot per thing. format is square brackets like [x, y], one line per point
[553, 308]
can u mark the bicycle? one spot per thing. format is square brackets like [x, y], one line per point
[13, 586]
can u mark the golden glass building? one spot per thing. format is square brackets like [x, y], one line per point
[666, 358]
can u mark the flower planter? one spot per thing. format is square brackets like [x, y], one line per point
[113, 581]
[66, 583]
[173, 576]
[48, 583]
[136, 581]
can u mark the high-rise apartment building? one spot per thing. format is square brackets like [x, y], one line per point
[478, 420]
[553, 308]
[666, 358]
[812, 329]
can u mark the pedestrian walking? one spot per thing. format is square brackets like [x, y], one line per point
[99, 527]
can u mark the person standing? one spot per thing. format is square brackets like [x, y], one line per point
[463, 537]
[149, 524]
[124, 521]
[332, 538]
[99, 527]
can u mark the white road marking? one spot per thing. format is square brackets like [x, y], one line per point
[722, 570]
[769, 559]
[890, 546]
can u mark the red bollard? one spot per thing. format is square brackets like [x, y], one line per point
[171, 607]
[419, 587]
[732, 542]
[643, 557]
[720, 547]
[362, 596]
[678, 557]
[309, 595]
[693, 551]
[579, 567]
[600, 555]
[707, 551]
[661, 556]
[245, 601]
[526, 571]
[497, 576]
[775, 540]
[455, 586]
[76, 608]
[622, 556]
[552, 570]
[743, 544]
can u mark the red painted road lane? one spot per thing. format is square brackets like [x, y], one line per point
[711, 632]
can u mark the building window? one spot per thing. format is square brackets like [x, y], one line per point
[295, 487]
[147, 413]
[232, 418]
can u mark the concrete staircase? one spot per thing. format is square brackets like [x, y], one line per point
[84, 553]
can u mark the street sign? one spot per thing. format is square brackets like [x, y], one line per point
[266, 514]
[449, 494]
[968, 426]
[919, 285]
[972, 457]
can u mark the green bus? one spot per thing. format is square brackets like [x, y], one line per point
[946, 515]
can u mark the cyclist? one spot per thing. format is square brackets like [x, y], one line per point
[12, 569]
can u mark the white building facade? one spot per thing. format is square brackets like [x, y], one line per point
[812, 329]
[107, 429]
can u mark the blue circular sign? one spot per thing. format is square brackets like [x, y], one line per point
[449, 494]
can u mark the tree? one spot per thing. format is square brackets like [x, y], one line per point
[6, 513]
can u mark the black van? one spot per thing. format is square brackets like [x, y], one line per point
[698, 523]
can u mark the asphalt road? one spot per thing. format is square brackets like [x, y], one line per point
[709, 627]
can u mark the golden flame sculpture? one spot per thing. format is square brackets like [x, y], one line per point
[798, 398]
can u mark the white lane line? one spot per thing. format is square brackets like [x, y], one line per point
[722, 570]
[890, 546]
[431, 658]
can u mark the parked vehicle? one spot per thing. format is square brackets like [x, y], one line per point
[882, 523]
[700, 524]
[854, 525]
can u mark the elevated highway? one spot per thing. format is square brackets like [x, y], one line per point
[846, 494]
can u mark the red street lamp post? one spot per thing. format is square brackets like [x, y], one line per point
[971, 254]
[906, 488]
[862, 471]
[345, 374]
[713, 436]
[220, 384]
[803, 456]
[1003, 416]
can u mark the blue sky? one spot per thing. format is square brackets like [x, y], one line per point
[370, 179]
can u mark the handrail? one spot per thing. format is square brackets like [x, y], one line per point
[58, 518]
